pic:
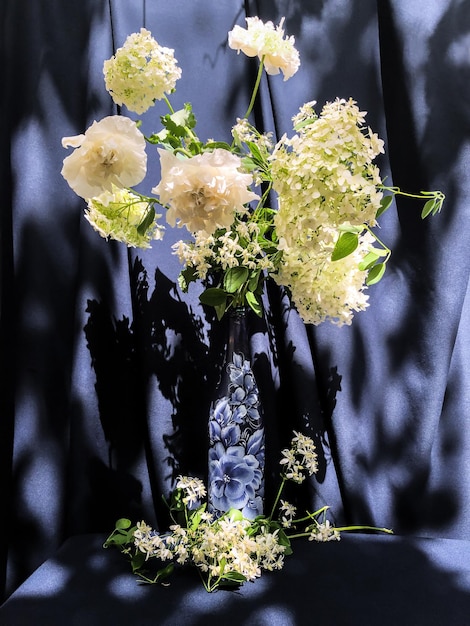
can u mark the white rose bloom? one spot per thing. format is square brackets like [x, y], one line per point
[266, 42]
[111, 152]
[205, 191]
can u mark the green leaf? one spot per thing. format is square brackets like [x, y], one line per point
[235, 515]
[123, 523]
[147, 221]
[375, 274]
[306, 122]
[119, 540]
[248, 164]
[137, 560]
[196, 516]
[156, 138]
[346, 244]
[346, 227]
[255, 152]
[234, 278]
[384, 205]
[368, 261]
[177, 125]
[176, 500]
[254, 303]
[220, 309]
[165, 572]
[254, 280]
[187, 276]
[213, 296]
[428, 208]
[179, 122]
[284, 540]
[234, 576]
[212, 145]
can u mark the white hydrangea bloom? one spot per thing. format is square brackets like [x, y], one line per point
[116, 215]
[324, 174]
[267, 42]
[203, 192]
[325, 178]
[321, 289]
[110, 153]
[140, 72]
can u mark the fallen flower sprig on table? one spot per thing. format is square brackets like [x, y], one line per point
[229, 550]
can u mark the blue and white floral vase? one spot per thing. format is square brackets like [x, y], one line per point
[236, 430]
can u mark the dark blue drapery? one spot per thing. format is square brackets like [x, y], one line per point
[106, 368]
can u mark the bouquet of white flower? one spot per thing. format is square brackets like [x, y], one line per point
[318, 242]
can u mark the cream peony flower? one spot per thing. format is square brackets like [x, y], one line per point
[267, 43]
[205, 191]
[140, 72]
[111, 152]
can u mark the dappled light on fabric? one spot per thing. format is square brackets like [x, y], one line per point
[108, 367]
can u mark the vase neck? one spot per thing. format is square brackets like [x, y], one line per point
[238, 340]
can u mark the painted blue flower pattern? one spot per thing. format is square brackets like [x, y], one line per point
[236, 446]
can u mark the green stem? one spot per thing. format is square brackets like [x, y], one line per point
[341, 529]
[311, 515]
[278, 496]
[344, 529]
[386, 248]
[438, 195]
[182, 150]
[255, 89]
[260, 209]
[168, 104]
[298, 535]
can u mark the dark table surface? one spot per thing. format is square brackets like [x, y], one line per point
[362, 580]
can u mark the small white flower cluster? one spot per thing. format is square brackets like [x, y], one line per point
[324, 531]
[287, 512]
[299, 459]
[238, 247]
[194, 489]
[325, 179]
[140, 72]
[218, 548]
[267, 42]
[226, 546]
[243, 131]
[118, 213]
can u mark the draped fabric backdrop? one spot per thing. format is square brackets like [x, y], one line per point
[107, 368]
